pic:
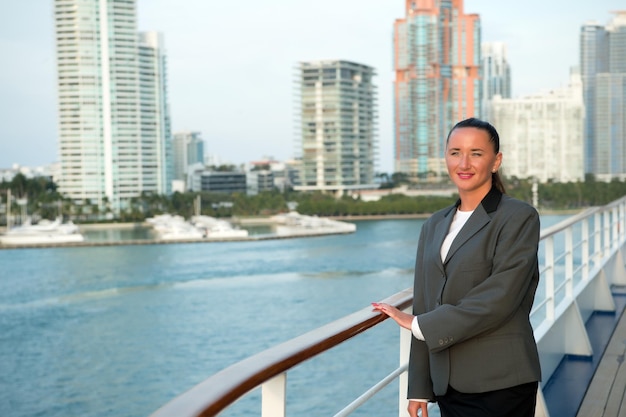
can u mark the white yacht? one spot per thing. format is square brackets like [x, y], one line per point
[170, 227]
[217, 228]
[44, 232]
[294, 223]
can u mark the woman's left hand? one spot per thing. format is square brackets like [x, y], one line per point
[403, 319]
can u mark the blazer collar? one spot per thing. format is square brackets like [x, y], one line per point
[489, 202]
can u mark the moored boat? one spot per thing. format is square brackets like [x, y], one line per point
[168, 227]
[294, 223]
[44, 232]
[217, 228]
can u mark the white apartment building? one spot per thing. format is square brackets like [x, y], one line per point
[337, 117]
[114, 126]
[541, 135]
[496, 75]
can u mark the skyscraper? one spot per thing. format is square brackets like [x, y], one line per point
[337, 113]
[112, 97]
[437, 81]
[603, 67]
[187, 149]
[496, 75]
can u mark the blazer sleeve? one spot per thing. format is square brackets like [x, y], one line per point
[419, 381]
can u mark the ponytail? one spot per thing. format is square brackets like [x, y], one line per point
[496, 182]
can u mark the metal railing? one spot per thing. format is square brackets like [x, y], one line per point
[581, 257]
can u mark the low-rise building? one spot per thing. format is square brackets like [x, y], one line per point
[217, 181]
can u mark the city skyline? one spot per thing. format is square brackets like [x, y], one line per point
[235, 62]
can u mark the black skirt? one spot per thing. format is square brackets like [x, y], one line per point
[518, 401]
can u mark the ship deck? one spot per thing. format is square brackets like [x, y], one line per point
[605, 394]
[594, 386]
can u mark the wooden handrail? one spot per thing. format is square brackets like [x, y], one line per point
[216, 393]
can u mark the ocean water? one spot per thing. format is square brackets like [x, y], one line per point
[121, 330]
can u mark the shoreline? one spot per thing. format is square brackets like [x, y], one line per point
[138, 242]
[240, 221]
[260, 221]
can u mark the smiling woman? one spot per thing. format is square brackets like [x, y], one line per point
[476, 272]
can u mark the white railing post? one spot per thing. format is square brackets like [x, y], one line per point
[615, 228]
[405, 350]
[606, 216]
[585, 250]
[620, 223]
[549, 278]
[274, 396]
[597, 231]
[569, 262]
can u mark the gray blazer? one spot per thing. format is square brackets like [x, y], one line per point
[473, 309]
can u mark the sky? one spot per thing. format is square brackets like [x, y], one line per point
[232, 64]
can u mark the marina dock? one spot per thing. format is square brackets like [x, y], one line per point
[295, 227]
[164, 242]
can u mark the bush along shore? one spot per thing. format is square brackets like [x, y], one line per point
[40, 199]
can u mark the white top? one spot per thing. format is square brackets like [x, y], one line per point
[460, 218]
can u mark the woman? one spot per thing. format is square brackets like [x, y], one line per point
[476, 272]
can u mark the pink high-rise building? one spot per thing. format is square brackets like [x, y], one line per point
[437, 81]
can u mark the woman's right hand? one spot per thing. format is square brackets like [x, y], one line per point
[415, 406]
[403, 319]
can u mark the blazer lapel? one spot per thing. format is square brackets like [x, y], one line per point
[478, 220]
[441, 230]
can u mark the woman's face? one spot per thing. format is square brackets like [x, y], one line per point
[471, 159]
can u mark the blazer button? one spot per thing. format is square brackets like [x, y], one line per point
[440, 342]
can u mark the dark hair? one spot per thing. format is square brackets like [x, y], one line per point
[493, 138]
